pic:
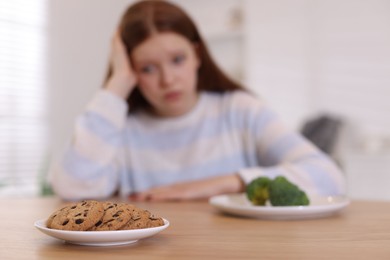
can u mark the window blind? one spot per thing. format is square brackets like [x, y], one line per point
[23, 95]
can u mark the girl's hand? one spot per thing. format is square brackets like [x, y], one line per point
[195, 190]
[122, 79]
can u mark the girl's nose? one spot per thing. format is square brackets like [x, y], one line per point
[166, 77]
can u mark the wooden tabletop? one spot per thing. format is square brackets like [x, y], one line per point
[199, 231]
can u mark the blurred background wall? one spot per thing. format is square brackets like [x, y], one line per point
[306, 58]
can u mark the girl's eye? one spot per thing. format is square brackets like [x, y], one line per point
[178, 59]
[147, 69]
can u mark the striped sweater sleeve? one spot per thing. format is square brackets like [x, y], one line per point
[281, 151]
[90, 165]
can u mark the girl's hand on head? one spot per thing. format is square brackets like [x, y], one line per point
[123, 78]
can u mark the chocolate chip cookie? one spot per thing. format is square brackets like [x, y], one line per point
[116, 215]
[143, 219]
[77, 217]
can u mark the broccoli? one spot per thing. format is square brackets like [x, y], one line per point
[279, 191]
[257, 191]
[284, 193]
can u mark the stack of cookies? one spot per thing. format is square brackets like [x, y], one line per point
[90, 215]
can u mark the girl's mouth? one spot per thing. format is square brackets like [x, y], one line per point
[172, 96]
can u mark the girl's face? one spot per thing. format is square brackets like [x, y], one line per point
[166, 66]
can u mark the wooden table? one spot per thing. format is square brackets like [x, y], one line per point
[198, 231]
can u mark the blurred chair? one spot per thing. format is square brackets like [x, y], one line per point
[323, 131]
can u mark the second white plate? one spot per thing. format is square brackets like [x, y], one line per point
[100, 238]
[238, 204]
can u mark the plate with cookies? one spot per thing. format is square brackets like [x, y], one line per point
[97, 223]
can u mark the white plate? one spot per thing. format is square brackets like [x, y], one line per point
[238, 204]
[100, 238]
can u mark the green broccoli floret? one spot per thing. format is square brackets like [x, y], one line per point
[284, 193]
[257, 191]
